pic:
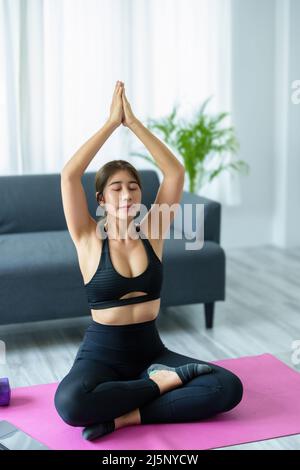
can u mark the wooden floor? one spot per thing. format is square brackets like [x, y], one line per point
[261, 314]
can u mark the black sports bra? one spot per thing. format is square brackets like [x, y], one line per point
[107, 285]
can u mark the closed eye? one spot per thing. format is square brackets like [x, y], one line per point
[132, 189]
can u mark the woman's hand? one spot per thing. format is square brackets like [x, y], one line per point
[128, 116]
[116, 107]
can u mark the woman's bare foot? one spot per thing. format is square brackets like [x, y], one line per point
[166, 380]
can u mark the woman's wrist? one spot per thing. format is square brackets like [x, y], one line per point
[134, 124]
[111, 124]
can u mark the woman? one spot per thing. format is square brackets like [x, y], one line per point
[123, 374]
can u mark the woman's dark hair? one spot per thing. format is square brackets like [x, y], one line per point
[107, 170]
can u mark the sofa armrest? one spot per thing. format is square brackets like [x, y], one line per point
[212, 216]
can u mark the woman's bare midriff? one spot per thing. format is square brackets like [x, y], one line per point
[89, 256]
[127, 314]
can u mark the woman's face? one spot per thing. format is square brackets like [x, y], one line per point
[122, 190]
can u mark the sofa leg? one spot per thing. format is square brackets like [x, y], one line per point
[209, 314]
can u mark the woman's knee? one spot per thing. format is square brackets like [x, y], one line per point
[232, 390]
[68, 402]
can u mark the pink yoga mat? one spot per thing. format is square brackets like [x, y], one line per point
[270, 408]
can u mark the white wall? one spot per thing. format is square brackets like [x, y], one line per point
[286, 214]
[260, 95]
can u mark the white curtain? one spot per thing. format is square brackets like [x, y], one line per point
[60, 59]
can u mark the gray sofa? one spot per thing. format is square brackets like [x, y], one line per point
[39, 271]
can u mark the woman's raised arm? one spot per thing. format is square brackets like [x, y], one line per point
[77, 165]
[79, 221]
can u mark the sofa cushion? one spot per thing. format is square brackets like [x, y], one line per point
[39, 277]
[33, 203]
[190, 274]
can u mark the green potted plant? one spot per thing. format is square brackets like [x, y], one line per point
[197, 142]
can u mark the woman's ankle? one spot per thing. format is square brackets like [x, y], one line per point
[131, 418]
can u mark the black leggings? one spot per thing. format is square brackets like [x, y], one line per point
[109, 378]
